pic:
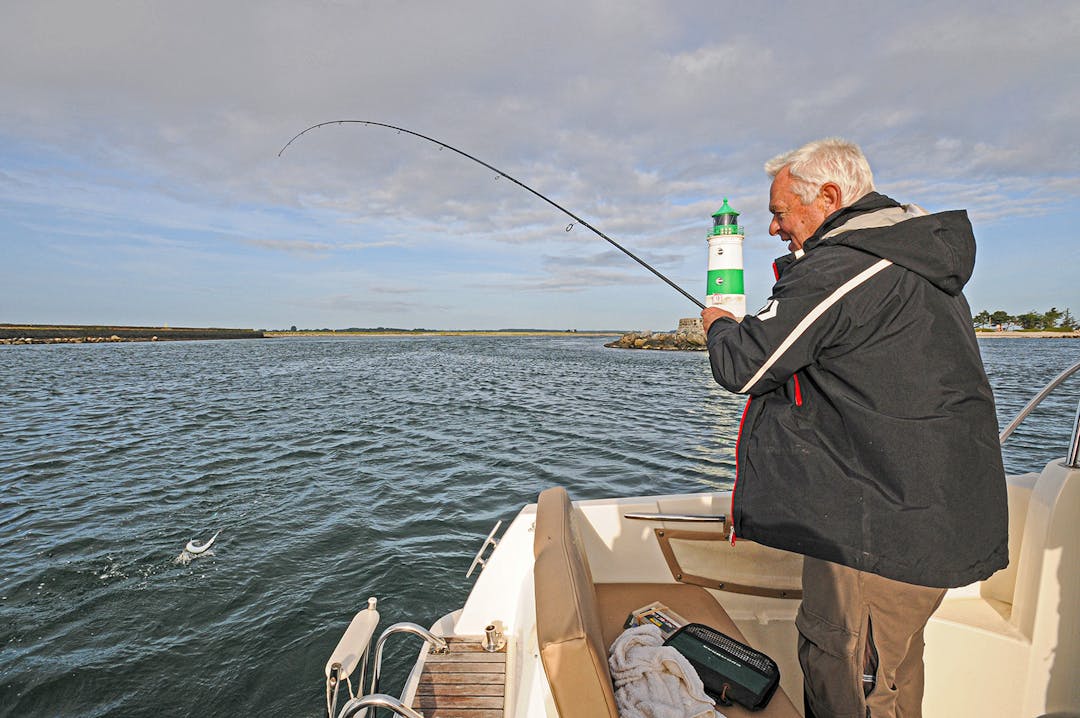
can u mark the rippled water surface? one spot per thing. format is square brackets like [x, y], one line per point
[335, 469]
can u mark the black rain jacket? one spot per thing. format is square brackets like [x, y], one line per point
[870, 435]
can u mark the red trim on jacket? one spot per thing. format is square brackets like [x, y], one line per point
[776, 272]
[798, 391]
[737, 440]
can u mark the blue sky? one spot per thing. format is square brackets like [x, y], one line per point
[140, 183]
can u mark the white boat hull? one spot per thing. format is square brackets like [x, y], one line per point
[1008, 646]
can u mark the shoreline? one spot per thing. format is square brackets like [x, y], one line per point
[1029, 335]
[444, 333]
[105, 334]
[11, 334]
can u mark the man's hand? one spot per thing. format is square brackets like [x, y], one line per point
[711, 314]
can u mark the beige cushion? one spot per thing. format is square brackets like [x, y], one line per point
[572, 646]
[616, 600]
[577, 621]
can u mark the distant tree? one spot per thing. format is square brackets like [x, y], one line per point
[1030, 320]
[1001, 317]
[1050, 319]
[292, 328]
[981, 319]
[1068, 321]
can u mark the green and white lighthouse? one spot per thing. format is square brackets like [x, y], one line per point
[725, 280]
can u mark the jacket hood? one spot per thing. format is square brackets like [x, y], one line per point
[939, 247]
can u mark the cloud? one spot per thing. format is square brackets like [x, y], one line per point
[582, 278]
[166, 119]
[291, 245]
[300, 246]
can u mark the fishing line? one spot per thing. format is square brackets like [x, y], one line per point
[519, 183]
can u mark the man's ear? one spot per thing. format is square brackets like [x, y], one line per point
[831, 196]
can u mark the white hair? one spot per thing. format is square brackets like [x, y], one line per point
[829, 160]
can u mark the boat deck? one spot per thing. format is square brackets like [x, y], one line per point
[467, 682]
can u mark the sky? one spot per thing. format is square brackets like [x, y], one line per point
[140, 181]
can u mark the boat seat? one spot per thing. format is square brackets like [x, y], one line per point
[1021, 623]
[576, 620]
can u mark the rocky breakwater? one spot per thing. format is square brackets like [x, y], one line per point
[70, 340]
[688, 337]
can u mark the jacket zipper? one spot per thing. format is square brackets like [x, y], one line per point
[738, 440]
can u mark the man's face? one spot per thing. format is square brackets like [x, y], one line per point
[792, 220]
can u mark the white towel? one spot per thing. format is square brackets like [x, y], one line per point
[655, 681]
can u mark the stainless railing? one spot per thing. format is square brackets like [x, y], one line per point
[648, 516]
[1036, 400]
[377, 700]
[438, 645]
[1072, 458]
[352, 652]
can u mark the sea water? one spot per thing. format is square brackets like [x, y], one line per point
[335, 469]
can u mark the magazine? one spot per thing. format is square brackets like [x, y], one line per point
[659, 615]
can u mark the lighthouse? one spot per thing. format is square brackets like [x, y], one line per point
[725, 280]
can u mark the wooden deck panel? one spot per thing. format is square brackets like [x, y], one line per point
[467, 682]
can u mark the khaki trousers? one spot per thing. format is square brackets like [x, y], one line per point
[849, 620]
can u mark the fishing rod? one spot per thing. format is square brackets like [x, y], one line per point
[519, 183]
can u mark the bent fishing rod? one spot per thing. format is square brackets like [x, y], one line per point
[519, 183]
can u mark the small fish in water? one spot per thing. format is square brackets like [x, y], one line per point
[194, 549]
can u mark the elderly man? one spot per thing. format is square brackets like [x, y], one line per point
[869, 439]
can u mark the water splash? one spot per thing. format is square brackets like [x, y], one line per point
[187, 557]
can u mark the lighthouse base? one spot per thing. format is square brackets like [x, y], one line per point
[734, 303]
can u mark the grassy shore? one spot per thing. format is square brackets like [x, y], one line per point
[1023, 334]
[92, 334]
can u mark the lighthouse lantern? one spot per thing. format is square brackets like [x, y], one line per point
[726, 220]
